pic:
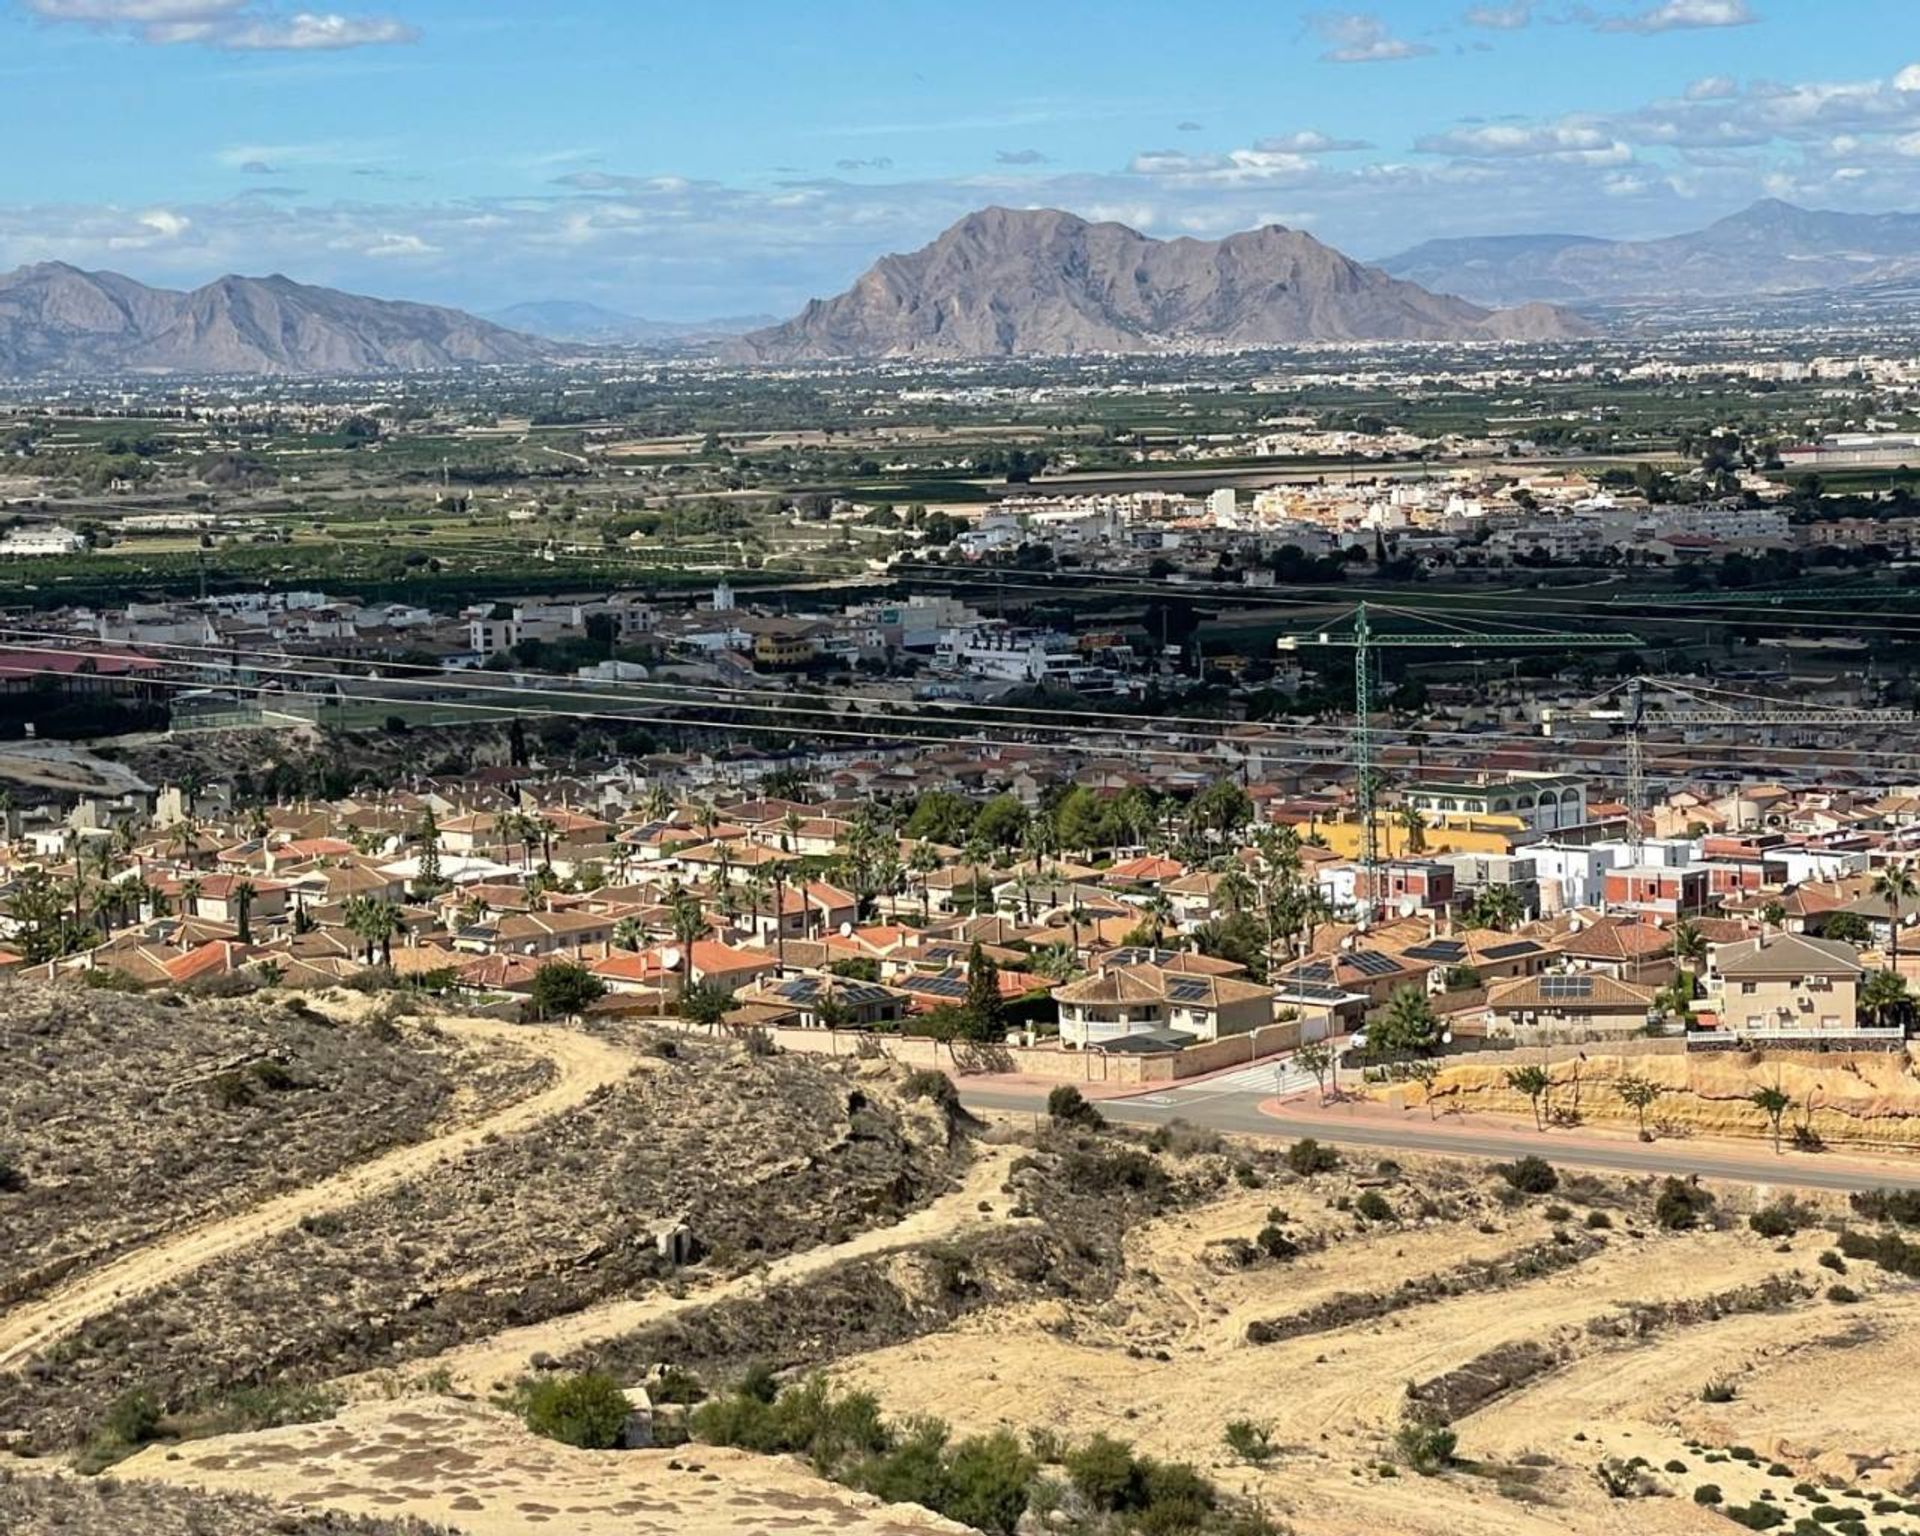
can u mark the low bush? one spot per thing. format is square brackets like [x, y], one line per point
[1708, 1493]
[1307, 1157]
[1426, 1444]
[1530, 1175]
[1776, 1220]
[1373, 1206]
[1275, 1244]
[1249, 1441]
[1842, 1295]
[1066, 1105]
[1896, 1205]
[587, 1411]
[1719, 1390]
[935, 1087]
[1599, 1221]
[1681, 1206]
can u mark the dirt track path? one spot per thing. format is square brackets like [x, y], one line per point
[582, 1065]
[482, 1366]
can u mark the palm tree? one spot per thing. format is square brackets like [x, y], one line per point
[1773, 1103]
[1883, 996]
[1896, 886]
[1415, 827]
[1689, 944]
[658, 803]
[1159, 914]
[688, 922]
[790, 825]
[921, 863]
[1498, 907]
[628, 933]
[189, 898]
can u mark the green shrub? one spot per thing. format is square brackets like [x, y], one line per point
[1249, 1441]
[1373, 1206]
[272, 1076]
[587, 1411]
[1530, 1175]
[1307, 1157]
[1842, 1295]
[1776, 1220]
[935, 1087]
[1066, 1105]
[986, 1483]
[133, 1418]
[1106, 1474]
[1599, 1221]
[1707, 1493]
[1898, 1205]
[230, 1090]
[1833, 1261]
[1426, 1445]
[1275, 1244]
[1719, 1390]
[1756, 1516]
[1680, 1205]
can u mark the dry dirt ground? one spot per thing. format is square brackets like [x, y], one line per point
[476, 1469]
[582, 1067]
[546, 1210]
[123, 1118]
[35, 1504]
[1550, 1368]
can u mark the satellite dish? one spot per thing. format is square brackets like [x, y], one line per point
[846, 930]
[1359, 1040]
[1408, 906]
[670, 959]
[1446, 1037]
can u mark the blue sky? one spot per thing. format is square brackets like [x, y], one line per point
[689, 160]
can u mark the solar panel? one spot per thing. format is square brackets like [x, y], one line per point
[939, 986]
[1370, 962]
[1315, 971]
[1439, 951]
[1508, 950]
[1566, 988]
[861, 992]
[1310, 992]
[1188, 991]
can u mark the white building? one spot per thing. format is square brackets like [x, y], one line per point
[32, 541]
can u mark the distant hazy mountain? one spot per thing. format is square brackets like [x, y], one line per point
[1772, 247]
[1004, 282]
[575, 321]
[57, 319]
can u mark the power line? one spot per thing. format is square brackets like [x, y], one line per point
[616, 690]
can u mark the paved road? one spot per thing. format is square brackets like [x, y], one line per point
[1208, 1104]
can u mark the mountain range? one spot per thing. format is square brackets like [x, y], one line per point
[57, 319]
[1771, 247]
[571, 320]
[1005, 282]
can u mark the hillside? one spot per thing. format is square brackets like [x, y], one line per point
[1005, 282]
[1770, 247]
[56, 319]
[594, 324]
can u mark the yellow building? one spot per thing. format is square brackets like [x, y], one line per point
[783, 649]
[1478, 834]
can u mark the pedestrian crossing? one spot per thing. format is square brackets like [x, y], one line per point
[1269, 1079]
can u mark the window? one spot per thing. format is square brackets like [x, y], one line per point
[1748, 988]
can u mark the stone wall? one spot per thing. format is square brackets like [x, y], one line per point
[1866, 1099]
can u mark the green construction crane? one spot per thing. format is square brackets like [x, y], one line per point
[1766, 597]
[1365, 640]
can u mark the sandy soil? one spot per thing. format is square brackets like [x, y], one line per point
[497, 1362]
[476, 1468]
[1167, 1366]
[581, 1063]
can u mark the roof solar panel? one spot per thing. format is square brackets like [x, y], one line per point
[1438, 951]
[1188, 991]
[1566, 988]
[1370, 962]
[1509, 949]
[939, 986]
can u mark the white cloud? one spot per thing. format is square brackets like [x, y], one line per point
[1358, 37]
[1908, 79]
[1308, 141]
[1678, 15]
[388, 246]
[236, 25]
[1712, 88]
[1500, 18]
[1569, 140]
